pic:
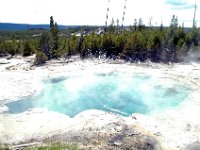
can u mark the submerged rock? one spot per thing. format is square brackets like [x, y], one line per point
[193, 146]
[3, 109]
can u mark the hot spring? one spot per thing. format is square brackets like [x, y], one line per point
[116, 92]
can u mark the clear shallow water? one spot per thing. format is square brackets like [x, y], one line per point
[119, 93]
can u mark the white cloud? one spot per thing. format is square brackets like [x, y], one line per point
[92, 12]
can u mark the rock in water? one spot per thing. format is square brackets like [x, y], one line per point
[3, 109]
[193, 146]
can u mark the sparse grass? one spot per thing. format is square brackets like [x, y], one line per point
[4, 147]
[56, 146]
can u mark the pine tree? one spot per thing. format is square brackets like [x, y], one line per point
[54, 34]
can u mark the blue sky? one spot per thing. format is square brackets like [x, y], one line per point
[93, 12]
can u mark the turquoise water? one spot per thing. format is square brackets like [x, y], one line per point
[119, 93]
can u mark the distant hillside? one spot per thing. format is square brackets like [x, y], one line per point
[21, 27]
[15, 26]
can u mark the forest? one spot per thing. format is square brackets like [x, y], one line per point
[135, 43]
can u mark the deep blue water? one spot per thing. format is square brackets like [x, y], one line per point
[119, 93]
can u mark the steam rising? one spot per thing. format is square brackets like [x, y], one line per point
[193, 56]
[115, 92]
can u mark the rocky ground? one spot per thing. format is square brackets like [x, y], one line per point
[172, 129]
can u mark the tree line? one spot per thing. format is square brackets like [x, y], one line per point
[137, 43]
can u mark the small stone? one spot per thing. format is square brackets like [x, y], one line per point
[188, 127]
[133, 117]
[157, 134]
[117, 143]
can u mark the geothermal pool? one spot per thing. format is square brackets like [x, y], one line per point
[116, 92]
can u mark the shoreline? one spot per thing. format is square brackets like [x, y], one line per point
[174, 129]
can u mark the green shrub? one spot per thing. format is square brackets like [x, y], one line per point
[40, 58]
[28, 48]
